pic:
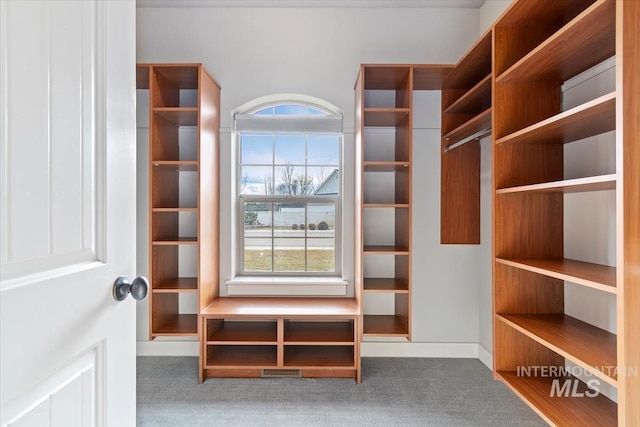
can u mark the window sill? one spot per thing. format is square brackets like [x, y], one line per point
[286, 286]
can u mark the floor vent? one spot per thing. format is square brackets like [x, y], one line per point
[281, 373]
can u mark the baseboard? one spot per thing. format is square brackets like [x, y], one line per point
[167, 348]
[485, 357]
[419, 349]
[368, 349]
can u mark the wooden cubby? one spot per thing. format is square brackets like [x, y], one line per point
[384, 108]
[308, 337]
[466, 111]
[184, 119]
[538, 45]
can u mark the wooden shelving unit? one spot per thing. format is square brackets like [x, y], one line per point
[539, 45]
[315, 337]
[183, 221]
[384, 105]
[466, 111]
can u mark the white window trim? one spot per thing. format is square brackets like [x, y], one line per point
[286, 286]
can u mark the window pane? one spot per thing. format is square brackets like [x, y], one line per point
[325, 180]
[256, 180]
[289, 220]
[321, 233]
[314, 112]
[258, 234]
[264, 112]
[256, 258]
[292, 181]
[290, 109]
[323, 150]
[289, 149]
[257, 149]
[288, 255]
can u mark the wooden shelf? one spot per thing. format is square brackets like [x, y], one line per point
[376, 325]
[589, 119]
[595, 276]
[587, 346]
[292, 307]
[318, 333]
[241, 356]
[381, 166]
[584, 42]
[178, 165]
[176, 241]
[178, 325]
[177, 210]
[391, 250]
[220, 331]
[384, 285]
[386, 77]
[180, 284]
[561, 410]
[384, 117]
[473, 67]
[478, 123]
[385, 205]
[430, 76]
[184, 76]
[181, 116]
[476, 100]
[578, 185]
[304, 356]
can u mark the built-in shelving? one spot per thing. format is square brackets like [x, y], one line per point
[376, 325]
[183, 230]
[562, 410]
[478, 98]
[597, 276]
[592, 118]
[587, 346]
[478, 123]
[537, 47]
[384, 285]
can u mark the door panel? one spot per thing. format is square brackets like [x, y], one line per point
[67, 135]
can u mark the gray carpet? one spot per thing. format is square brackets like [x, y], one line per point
[394, 392]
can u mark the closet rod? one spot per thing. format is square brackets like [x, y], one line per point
[480, 134]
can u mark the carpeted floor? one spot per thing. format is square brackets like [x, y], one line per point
[394, 392]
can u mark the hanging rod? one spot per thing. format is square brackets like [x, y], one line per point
[477, 136]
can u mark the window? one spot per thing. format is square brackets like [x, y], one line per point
[288, 187]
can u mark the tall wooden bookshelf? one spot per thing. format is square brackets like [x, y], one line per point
[184, 120]
[383, 219]
[538, 45]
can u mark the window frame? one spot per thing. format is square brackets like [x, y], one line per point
[282, 125]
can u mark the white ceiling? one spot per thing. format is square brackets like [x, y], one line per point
[473, 4]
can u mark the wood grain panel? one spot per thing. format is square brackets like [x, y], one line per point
[628, 207]
[385, 77]
[221, 331]
[294, 307]
[474, 65]
[358, 187]
[326, 356]
[319, 332]
[164, 139]
[208, 189]
[521, 291]
[460, 194]
[430, 76]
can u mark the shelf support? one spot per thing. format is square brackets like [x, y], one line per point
[476, 136]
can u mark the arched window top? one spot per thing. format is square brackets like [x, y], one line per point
[290, 110]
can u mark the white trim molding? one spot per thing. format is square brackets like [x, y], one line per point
[485, 357]
[429, 4]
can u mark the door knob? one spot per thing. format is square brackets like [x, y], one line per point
[123, 287]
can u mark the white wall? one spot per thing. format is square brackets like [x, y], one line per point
[317, 52]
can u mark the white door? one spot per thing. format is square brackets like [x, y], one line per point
[67, 132]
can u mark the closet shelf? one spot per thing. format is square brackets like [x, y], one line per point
[578, 185]
[176, 241]
[327, 356]
[382, 166]
[241, 356]
[589, 347]
[178, 165]
[589, 119]
[477, 99]
[181, 116]
[384, 326]
[317, 333]
[385, 117]
[384, 285]
[157, 210]
[584, 42]
[473, 67]
[179, 284]
[242, 332]
[476, 124]
[597, 276]
[383, 249]
[561, 410]
[177, 325]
